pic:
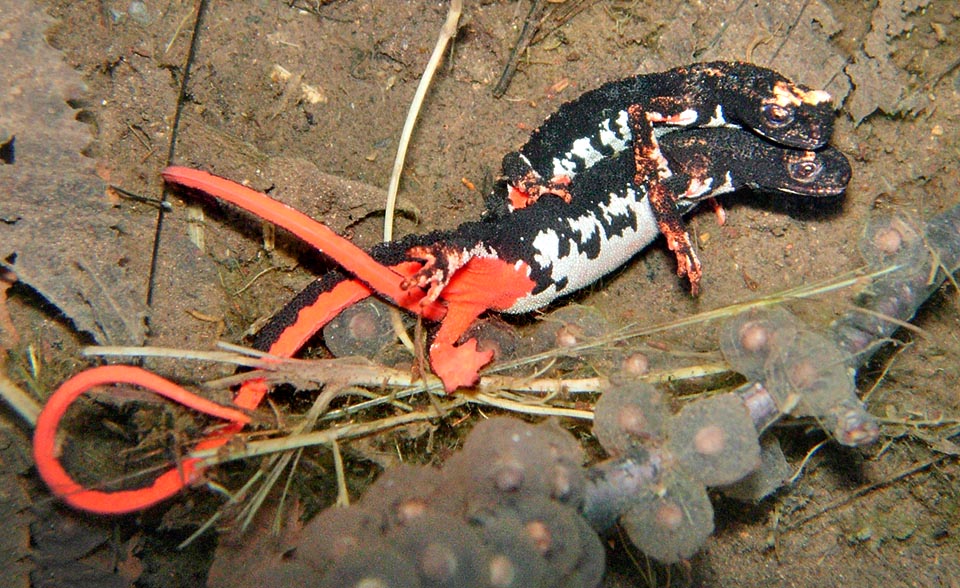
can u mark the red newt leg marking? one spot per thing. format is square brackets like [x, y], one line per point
[683, 119]
[650, 164]
[718, 210]
[484, 283]
[531, 187]
[678, 239]
[698, 188]
[46, 452]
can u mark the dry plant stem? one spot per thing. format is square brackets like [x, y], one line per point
[348, 431]
[278, 463]
[272, 470]
[447, 32]
[526, 408]
[492, 384]
[278, 520]
[19, 401]
[343, 496]
[806, 459]
[240, 359]
[233, 499]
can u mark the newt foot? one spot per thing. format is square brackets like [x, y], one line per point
[458, 366]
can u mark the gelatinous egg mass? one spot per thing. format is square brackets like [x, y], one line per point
[673, 523]
[629, 417]
[714, 440]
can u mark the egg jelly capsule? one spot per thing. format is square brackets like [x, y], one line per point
[714, 441]
[892, 239]
[629, 417]
[812, 378]
[362, 329]
[809, 376]
[671, 522]
[747, 339]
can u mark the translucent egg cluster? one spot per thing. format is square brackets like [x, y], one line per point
[501, 513]
[710, 442]
[806, 373]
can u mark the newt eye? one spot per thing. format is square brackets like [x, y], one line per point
[777, 116]
[804, 171]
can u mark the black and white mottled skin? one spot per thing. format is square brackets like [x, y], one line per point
[570, 245]
[595, 125]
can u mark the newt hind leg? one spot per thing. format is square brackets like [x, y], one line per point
[483, 283]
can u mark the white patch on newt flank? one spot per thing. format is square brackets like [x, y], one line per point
[617, 207]
[564, 167]
[717, 120]
[623, 126]
[613, 133]
[585, 150]
[582, 150]
[586, 225]
[576, 268]
[614, 139]
[547, 244]
[726, 187]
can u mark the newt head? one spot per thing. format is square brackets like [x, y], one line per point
[813, 173]
[773, 106]
[795, 116]
[721, 160]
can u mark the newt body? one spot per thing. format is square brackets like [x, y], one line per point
[519, 257]
[527, 259]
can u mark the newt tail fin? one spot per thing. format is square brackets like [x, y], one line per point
[352, 258]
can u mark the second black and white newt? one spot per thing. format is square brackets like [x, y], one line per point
[597, 124]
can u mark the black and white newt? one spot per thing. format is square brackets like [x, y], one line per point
[597, 124]
[525, 260]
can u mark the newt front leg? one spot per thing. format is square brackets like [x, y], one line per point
[652, 168]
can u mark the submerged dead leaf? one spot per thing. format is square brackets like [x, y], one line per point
[880, 83]
[58, 230]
